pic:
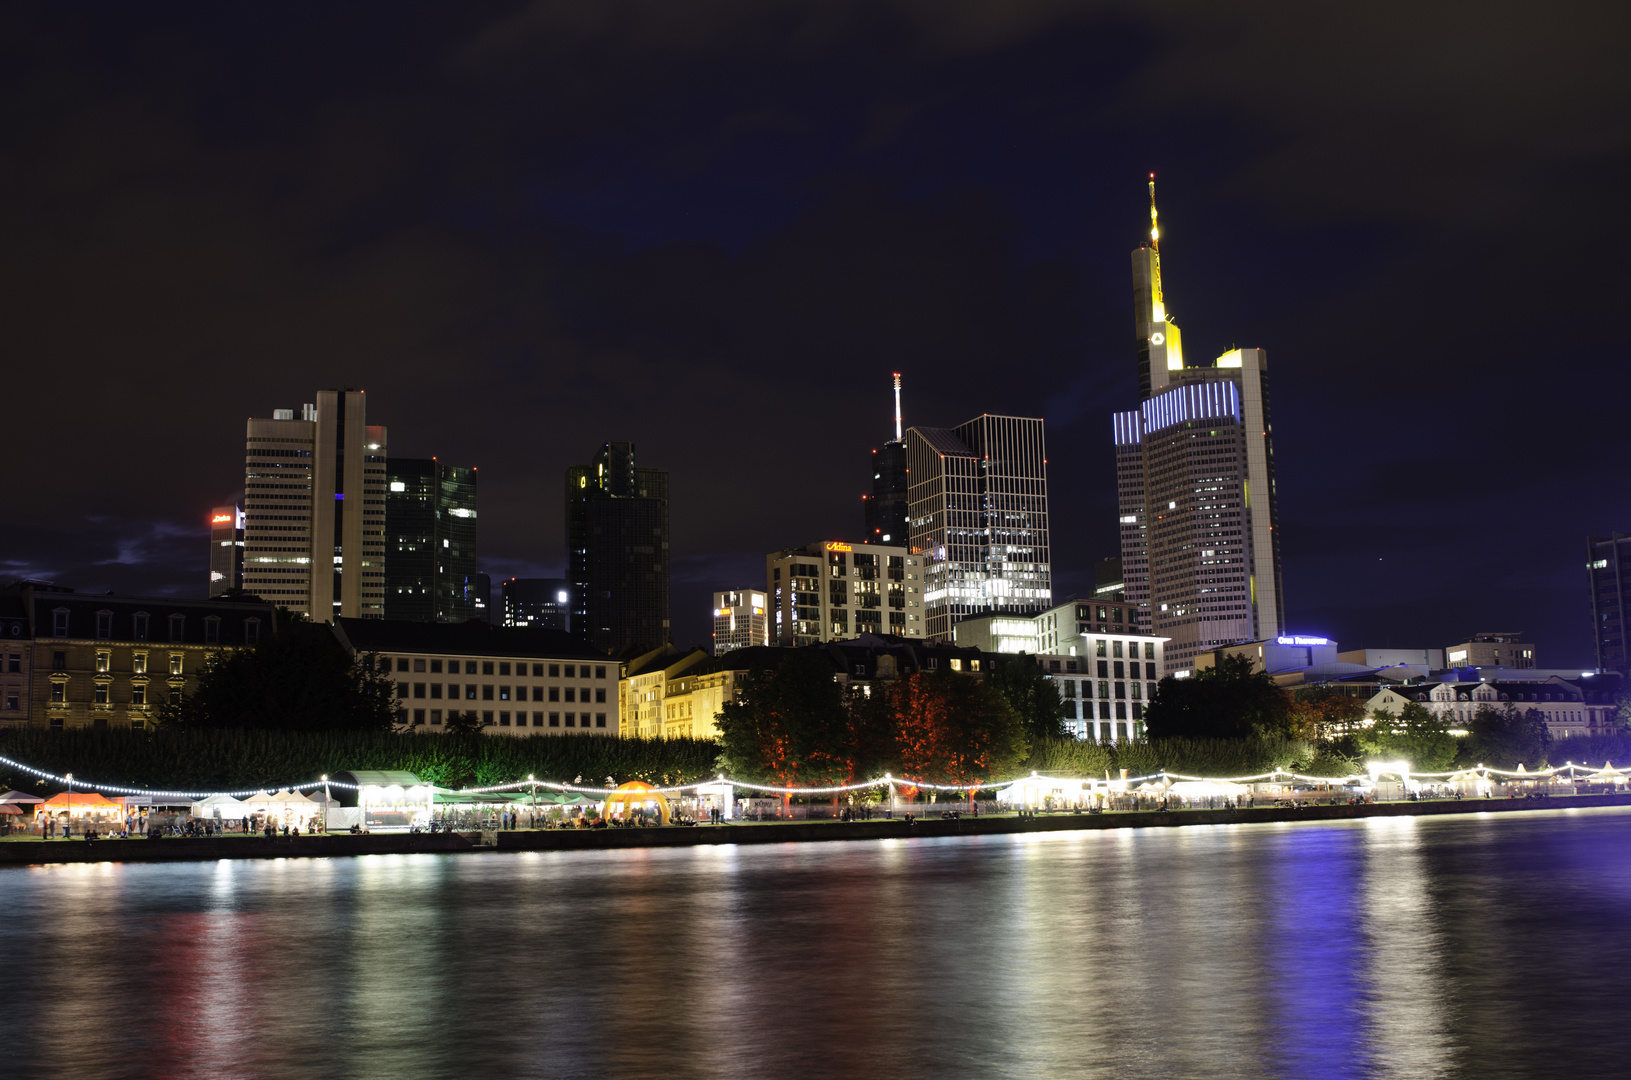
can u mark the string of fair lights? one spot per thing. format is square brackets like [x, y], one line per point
[1400, 770]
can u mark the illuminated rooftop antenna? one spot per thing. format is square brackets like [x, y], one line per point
[897, 406]
[1155, 225]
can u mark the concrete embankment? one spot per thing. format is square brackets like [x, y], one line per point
[169, 849]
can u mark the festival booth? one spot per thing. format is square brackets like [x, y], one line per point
[1043, 793]
[634, 798]
[84, 809]
[17, 811]
[1210, 793]
[380, 801]
[720, 796]
[1608, 774]
[223, 809]
[1469, 782]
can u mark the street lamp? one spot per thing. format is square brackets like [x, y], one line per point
[68, 829]
[534, 784]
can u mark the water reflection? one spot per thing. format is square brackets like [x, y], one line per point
[1407, 947]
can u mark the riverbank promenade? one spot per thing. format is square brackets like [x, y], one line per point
[26, 851]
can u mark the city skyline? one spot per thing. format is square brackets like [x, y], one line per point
[733, 289]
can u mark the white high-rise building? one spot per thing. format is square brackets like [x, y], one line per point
[977, 511]
[1200, 550]
[741, 619]
[314, 509]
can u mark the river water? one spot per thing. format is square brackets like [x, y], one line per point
[1474, 945]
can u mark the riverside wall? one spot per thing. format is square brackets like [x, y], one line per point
[173, 849]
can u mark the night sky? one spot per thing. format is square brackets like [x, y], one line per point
[715, 229]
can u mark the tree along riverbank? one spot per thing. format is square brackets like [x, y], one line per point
[27, 852]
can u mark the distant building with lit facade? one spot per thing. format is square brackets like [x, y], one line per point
[617, 549]
[314, 509]
[978, 508]
[834, 590]
[1200, 548]
[1608, 570]
[430, 529]
[542, 603]
[741, 620]
[226, 549]
[1491, 649]
[886, 506]
[1061, 630]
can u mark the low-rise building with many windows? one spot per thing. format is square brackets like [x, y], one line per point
[508, 681]
[83, 660]
[1106, 688]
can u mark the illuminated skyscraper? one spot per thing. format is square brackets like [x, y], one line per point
[226, 549]
[430, 528]
[886, 506]
[314, 509]
[741, 620]
[978, 507]
[617, 549]
[1200, 550]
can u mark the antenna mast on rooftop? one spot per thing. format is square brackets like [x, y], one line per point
[897, 406]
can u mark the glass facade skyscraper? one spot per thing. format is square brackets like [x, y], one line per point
[430, 527]
[617, 549]
[886, 506]
[1608, 565]
[978, 506]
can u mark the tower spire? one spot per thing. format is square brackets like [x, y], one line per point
[1155, 225]
[897, 407]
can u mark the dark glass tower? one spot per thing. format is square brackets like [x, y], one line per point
[430, 528]
[617, 549]
[886, 506]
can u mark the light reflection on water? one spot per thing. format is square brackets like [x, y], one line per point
[1411, 947]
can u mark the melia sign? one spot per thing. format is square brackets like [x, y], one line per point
[1300, 640]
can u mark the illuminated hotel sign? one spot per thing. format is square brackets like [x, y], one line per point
[1299, 640]
[838, 545]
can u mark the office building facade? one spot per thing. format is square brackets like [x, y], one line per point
[226, 549]
[1062, 630]
[1608, 575]
[741, 620]
[314, 509]
[1491, 649]
[430, 528]
[1200, 555]
[617, 549]
[835, 590]
[978, 509]
[506, 681]
[540, 603]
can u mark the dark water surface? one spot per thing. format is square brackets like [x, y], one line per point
[1471, 946]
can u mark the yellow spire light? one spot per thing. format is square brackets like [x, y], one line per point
[1155, 226]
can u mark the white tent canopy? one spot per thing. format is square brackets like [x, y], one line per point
[224, 806]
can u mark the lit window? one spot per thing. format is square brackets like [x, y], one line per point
[175, 663]
[102, 659]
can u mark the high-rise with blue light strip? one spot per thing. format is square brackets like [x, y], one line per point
[1200, 546]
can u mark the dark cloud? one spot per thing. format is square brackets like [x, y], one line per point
[715, 228]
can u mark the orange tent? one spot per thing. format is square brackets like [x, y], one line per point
[80, 800]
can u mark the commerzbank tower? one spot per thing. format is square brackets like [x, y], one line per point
[1200, 547]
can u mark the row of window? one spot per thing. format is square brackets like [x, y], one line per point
[99, 694]
[555, 693]
[554, 720]
[418, 664]
[60, 626]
